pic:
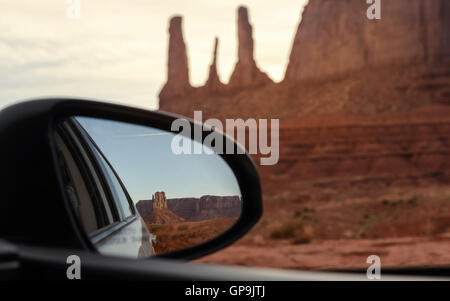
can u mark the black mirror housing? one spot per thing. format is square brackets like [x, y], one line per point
[34, 205]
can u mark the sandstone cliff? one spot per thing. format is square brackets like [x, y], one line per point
[144, 207]
[213, 83]
[190, 209]
[340, 62]
[206, 207]
[364, 112]
[245, 75]
[335, 37]
[155, 211]
[178, 67]
[158, 200]
[162, 216]
[343, 72]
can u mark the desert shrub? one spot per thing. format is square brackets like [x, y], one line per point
[283, 231]
[303, 235]
[295, 230]
[182, 227]
[413, 201]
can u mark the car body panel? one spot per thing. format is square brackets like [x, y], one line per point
[131, 240]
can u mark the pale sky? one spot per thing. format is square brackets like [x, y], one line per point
[143, 159]
[117, 50]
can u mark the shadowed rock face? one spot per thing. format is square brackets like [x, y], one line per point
[178, 70]
[335, 37]
[162, 216]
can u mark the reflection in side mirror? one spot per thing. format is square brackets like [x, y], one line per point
[183, 222]
[134, 197]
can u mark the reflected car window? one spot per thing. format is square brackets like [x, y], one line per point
[119, 195]
[82, 183]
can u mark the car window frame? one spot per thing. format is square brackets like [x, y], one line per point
[103, 233]
[116, 187]
[94, 191]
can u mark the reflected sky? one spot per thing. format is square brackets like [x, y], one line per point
[143, 159]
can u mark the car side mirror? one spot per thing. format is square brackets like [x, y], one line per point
[128, 182]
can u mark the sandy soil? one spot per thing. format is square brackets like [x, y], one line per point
[339, 228]
[339, 254]
[171, 237]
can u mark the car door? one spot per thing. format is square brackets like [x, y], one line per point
[99, 197]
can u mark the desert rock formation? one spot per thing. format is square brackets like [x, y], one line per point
[206, 207]
[213, 83]
[335, 37]
[162, 216]
[159, 200]
[190, 209]
[246, 73]
[343, 65]
[155, 211]
[144, 207]
[340, 62]
[178, 69]
[364, 113]
[390, 151]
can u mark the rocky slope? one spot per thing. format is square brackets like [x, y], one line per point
[399, 149]
[162, 216]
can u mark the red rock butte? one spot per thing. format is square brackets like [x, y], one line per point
[361, 66]
[159, 200]
[246, 73]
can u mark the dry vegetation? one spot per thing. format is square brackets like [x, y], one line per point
[171, 237]
[294, 230]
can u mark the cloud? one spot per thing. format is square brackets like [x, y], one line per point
[143, 135]
[117, 50]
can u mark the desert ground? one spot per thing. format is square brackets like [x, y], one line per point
[171, 237]
[348, 188]
[338, 228]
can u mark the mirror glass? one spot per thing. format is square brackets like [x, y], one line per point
[134, 196]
